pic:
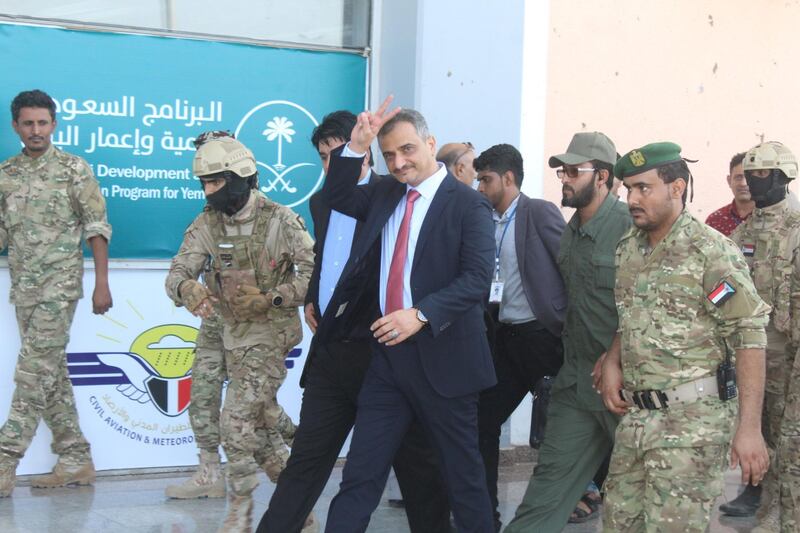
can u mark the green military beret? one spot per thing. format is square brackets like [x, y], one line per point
[642, 159]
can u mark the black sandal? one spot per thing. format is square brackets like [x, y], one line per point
[579, 516]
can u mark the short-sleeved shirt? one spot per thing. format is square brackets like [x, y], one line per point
[47, 204]
[681, 303]
[586, 262]
[726, 219]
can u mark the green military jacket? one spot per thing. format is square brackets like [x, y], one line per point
[586, 262]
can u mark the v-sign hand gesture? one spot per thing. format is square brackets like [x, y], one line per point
[369, 124]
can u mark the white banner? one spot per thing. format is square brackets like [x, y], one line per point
[130, 370]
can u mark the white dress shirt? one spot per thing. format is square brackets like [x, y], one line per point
[427, 190]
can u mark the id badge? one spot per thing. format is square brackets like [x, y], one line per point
[496, 292]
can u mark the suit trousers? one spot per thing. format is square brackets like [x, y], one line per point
[524, 354]
[396, 390]
[333, 381]
[576, 443]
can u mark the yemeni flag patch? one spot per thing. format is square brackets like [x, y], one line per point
[748, 250]
[721, 294]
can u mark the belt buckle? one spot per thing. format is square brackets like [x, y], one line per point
[651, 399]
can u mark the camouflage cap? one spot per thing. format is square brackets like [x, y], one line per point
[647, 157]
[586, 146]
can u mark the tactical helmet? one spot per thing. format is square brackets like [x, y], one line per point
[771, 155]
[217, 153]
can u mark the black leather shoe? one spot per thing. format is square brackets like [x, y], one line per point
[745, 504]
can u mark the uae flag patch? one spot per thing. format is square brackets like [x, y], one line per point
[721, 294]
[748, 250]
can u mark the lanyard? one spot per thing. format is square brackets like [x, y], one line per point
[500, 244]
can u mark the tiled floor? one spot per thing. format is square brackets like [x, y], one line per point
[136, 503]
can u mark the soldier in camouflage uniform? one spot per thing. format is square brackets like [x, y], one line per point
[769, 240]
[208, 377]
[260, 258]
[48, 201]
[685, 302]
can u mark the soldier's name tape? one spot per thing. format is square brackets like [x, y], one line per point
[684, 393]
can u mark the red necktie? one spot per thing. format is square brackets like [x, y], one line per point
[394, 285]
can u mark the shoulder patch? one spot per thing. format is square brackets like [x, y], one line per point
[721, 294]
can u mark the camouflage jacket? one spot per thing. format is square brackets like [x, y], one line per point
[286, 238]
[672, 332]
[46, 205]
[770, 241]
[670, 329]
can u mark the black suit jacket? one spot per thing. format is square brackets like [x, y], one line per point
[450, 275]
[357, 327]
[537, 238]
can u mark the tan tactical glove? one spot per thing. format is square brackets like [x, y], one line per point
[250, 303]
[192, 294]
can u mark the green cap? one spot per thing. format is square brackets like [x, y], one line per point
[584, 147]
[647, 157]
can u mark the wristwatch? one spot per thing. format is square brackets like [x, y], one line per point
[277, 300]
[421, 317]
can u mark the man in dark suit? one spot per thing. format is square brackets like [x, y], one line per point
[430, 358]
[529, 291]
[333, 373]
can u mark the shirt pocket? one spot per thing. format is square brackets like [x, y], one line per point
[54, 205]
[604, 272]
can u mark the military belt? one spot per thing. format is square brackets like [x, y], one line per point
[684, 393]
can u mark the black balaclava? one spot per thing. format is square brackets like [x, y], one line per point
[233, 195]
[767, 191]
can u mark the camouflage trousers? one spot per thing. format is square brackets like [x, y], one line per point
[667, 467]
[778, 369]
[43, 389]
[662, 489]
[208, 377]
[787, 484]
[250, 416]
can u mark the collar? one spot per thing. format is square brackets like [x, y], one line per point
[511, 209]
[592, 227]
[38, 162]
[683, 220]
[245, 214]
[773, 211]
[365, 179]
[735, 213]
[427, 189]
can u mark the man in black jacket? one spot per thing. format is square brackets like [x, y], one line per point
[333, 373]
[529, 291]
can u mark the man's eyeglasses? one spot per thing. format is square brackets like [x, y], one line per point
[572, 172]
[462, 154]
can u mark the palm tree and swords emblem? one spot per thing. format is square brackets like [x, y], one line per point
[280, 129]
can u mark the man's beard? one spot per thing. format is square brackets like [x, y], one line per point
[581, 197]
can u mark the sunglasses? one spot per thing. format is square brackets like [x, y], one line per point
[572, 172]
[462, 154]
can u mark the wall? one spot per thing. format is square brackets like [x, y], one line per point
[716, 77]
[458, 63]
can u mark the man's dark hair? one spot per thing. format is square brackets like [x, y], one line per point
[336, 125]
[602, 165]
[672, 171]
[736, 160]
[501, 158]
[34, 98]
